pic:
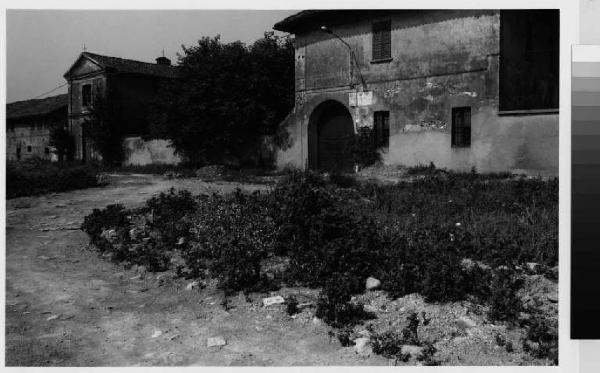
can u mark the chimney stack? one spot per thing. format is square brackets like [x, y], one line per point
[163, 61]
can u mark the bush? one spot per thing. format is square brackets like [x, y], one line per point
[109, 231]
[503, 300]
[363, 148]
[167, 211]
[38, 177]
[231, 236]
[542, 339]
[413, 236]
[389, 344]
[112, 217]
[428, 262]
[334, 305]
[321, 232]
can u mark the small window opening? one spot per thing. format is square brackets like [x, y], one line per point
[86, 95]
[461, 127]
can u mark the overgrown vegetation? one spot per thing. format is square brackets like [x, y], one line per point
[36, 176]
[105, 129]
[63, 142]
[363, 147]
[390, 344]
[447, 236]
[229, 95]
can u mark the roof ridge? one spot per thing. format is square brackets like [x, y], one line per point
[121, 58]
[37, 99]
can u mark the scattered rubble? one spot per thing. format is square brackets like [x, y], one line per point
[362, 346]
[192, 285]
[157, 333]
[413, 351]
[372, 283]
[465, 323]
[273, 300]
[216, 341]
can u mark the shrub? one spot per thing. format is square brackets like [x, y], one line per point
[231, 235]
[428, 262]
[542, 338]
[423, 170]
[321, 232]
[334, 305]
[150, 252]
[363, 148]
[292, 305]
[111, 217]
[167, 211]
[37, 177]
[389, 344]
[504, 303]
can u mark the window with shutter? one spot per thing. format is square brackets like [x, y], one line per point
[382, 41]
[461, 127]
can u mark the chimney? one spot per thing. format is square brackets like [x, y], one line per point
[163, 61]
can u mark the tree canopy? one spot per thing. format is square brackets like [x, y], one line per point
[227, 97]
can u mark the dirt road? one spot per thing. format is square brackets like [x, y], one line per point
[66, 306]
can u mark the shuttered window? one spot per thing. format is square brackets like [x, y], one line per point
[382, 41]
[461, 127]
[382, 128]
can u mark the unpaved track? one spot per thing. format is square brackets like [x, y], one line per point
[66, 306]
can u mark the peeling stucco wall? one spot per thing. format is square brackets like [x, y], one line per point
[141, 152]
[33, 135]
[440, 60]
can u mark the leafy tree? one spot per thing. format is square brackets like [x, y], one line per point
[64, 143]
[227, 97]
[104, 130]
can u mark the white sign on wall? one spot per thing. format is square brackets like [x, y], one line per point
[360, 98]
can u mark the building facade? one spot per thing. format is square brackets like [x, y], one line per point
[133, 86]
[28, 126]
[459, 88]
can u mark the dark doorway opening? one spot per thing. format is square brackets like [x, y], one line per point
[331, 134]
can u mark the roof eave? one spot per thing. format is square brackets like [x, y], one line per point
[68, 74]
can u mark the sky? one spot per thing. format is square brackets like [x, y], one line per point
[41, 45]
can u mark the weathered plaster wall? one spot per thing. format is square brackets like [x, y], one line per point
[440, 60]
[140, 152]
[22, 136]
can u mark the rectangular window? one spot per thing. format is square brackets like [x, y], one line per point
[28, 148]
[382, 41]
[382, 128]
[529, 60]
[86, 95]
[461, 127]
[47, 150]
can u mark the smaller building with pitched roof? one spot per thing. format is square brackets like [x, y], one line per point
[133, 85]
[28, 125]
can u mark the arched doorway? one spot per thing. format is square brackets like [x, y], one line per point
[330, 134]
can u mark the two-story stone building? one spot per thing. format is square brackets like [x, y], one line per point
[459, 88]
[134, 85]
[28, 126]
